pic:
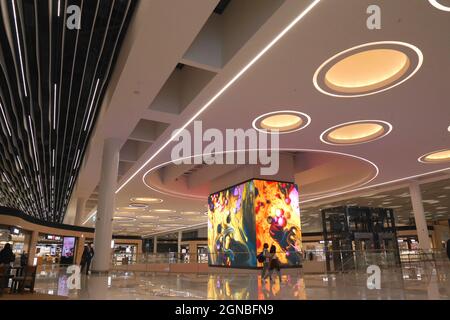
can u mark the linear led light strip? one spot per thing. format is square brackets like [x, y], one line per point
[214, 98]
[6, 178]
[76, 160]
[20, 163]
[6, 120]
[54, 106]
[20, 50]
[59, 8]
[53, 158]
[33, 141]
[229, 84]
[92, 103]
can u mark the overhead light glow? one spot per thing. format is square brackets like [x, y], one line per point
[282, 122]
[190, 213]
[368, 69]
[356, 132]
[20, 50]
[162, 210]
[437, 5]
[436, 157]
[146, 200]
[225, 88]
[92, 104]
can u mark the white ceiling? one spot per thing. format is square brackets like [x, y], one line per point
[145, 85]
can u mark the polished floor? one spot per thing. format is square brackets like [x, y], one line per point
[405, 284]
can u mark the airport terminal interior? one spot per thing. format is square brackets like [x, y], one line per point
[224, 150]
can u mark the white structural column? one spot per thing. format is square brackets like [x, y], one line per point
[106, 205]
[419, 216]
[180, 237]
[155, 244]
[81, 202]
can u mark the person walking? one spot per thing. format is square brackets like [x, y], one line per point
[448, 249]
[274, 263]
[23, 259]
[86, 258]
[6, 255]
[89, 258]
[265, 255]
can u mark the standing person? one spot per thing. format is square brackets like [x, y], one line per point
[448, 249]
[23, 259]
[274, 262]
[265, 255]
[84, 257]
[6, 255]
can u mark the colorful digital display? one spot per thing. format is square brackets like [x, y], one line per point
[241, 219]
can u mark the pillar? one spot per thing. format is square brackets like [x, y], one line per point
[180, 237]
[32, 247]
[80, 249]
[155, 244]
[106, 206]
[419, 216]
[80, 211]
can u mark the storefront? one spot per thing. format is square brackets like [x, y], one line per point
[50, 244]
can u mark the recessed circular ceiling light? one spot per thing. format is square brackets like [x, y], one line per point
[146, 200]
[130, 209]
[282, 122]
[162, 211]
[438, 5]
[124, 219]
[148, 217]
[138, 205]
[190, 213]
[436, 157]
[356, 132]
[368, 69]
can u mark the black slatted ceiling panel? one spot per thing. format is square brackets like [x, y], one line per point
[52, 83]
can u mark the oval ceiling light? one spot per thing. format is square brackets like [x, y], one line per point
[436, 157]
[356, 132]
[124, 219]
[146, 200]
[162, 211]
[281, 122]
[138, 205]
[190, 213]
[134, 209]
[368, 69]
[438, 5]
[148, 217]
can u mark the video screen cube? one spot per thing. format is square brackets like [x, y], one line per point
[242, 218]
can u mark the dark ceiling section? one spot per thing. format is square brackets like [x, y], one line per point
[52, 82]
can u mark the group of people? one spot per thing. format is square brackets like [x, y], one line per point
[270, 262]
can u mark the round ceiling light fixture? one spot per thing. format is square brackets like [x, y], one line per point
[124, 219]
[436, 157]
[190, 213]
[281, 122]
[150, 217]
[133, 209]
[368, 69]
[438, 5]
[162, 211]
[146, 200]
[138, 205]
[356, 132]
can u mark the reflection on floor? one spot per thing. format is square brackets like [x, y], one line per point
[395, 284]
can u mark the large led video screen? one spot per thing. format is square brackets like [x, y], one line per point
[242, 218]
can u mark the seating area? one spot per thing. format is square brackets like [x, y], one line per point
[15, 280]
